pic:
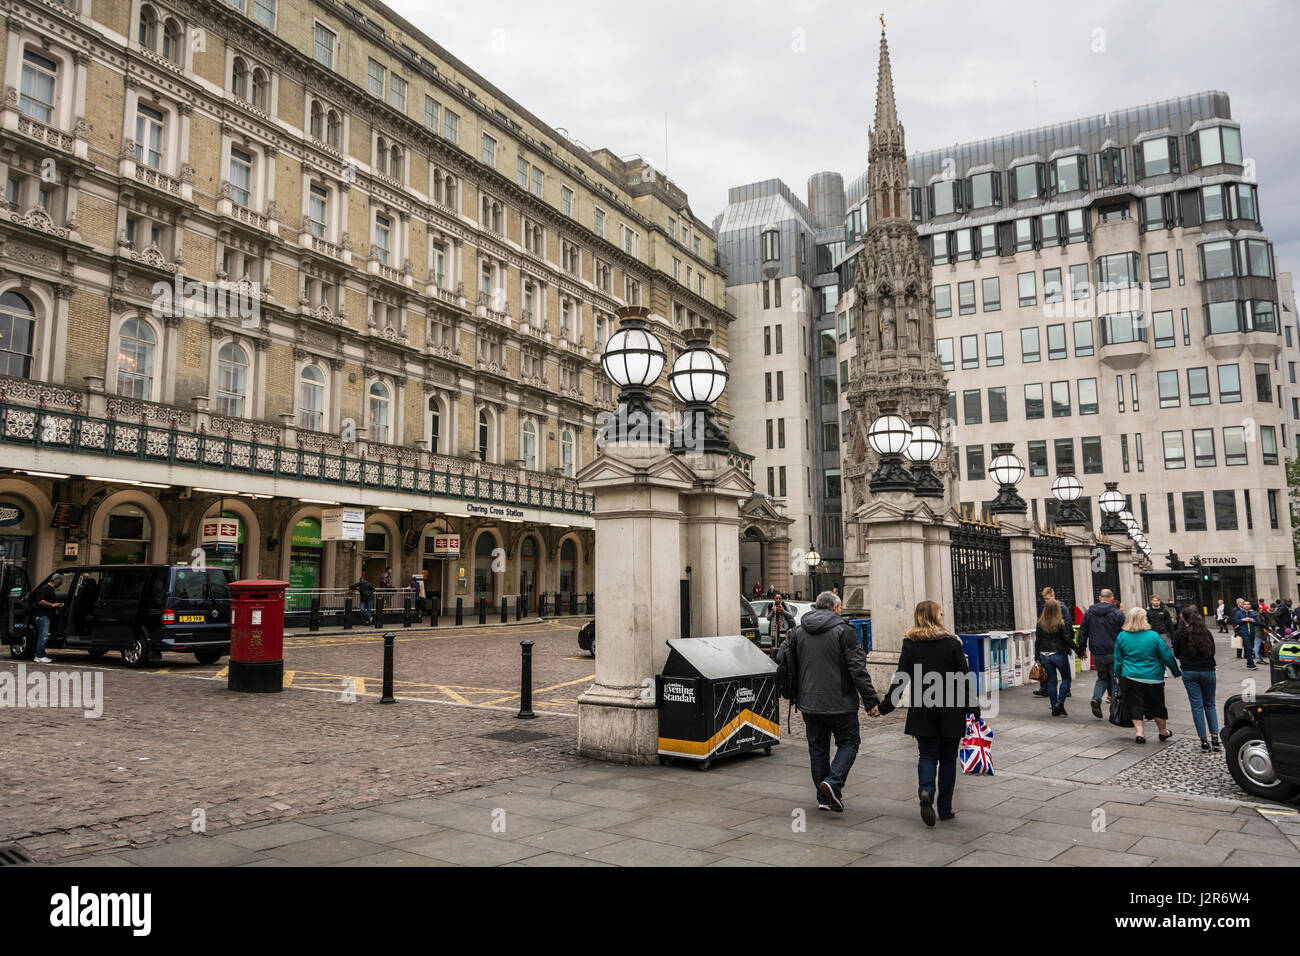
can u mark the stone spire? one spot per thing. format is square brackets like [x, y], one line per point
[886, 112]
[886, 155]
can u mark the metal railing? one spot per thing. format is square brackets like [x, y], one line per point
[315, 608]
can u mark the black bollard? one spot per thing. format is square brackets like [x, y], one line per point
[591, 603]
[347, 614]
[519, 607]
[406, 612]
[505, 613]
[388, 698]
[482, 610]
[541, 604]
[379, 613]
[526, 681]
[460, 611]
[434, 607]
[313, 616]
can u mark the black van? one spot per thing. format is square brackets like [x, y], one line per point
[139, 609]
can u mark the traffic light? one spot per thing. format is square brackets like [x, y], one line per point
[1199, 566]
[1172, 558]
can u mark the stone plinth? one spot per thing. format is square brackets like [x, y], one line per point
[712, 543]
[1024, 584]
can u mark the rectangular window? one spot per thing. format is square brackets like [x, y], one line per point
[1026, 289]
[1090, 448]
[1198, 386]
[316, 206]
[1194, 511]
[1133, 390]
[397, 92]
[993, 349]
[1029, 347]
[966, 298]
[1063, 452]
[780, 433]
[1123, 452]
[1083, 338]
[1087, 396]
[149, 136]
[1203, 448]
[952, 407]
[1263, 385]
[992, 294]
[324, 49]
[942, 301]
[767, 386]
[1169, 505]
[972, 409]
[375, 79]
[1268, 444]
[1080, 288]
[241, 176]
[1272, 509]
[780, 386]
[1158, 270]
[450, 126]
[1060, 399]
[1164, 329]
[264, 13]
[975, 462]
[997, 404]
[1137, 451]
[844, 375]
[779, 347]
[1076, 226]
[1052, 289]
[1033, 401]
[1123, 327]
[1037, 459]
[1167, 387]
[946, 355]
[970, 352]
[1056, 342]
[1119, 271]
[431, 113]
[1234, 445]
[1175, 457]
[1229, 384]
[489, 150]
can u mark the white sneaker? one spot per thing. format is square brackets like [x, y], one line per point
[43, 660]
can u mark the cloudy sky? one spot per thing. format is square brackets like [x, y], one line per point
[756, 89]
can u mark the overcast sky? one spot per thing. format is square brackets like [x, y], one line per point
[761, 89]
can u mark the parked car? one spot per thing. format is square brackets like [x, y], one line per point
[140, 610]
[1261, 738]
[764, 609]
[748, 627]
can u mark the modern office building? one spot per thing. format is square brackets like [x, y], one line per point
[1105, 297]
[262, 258]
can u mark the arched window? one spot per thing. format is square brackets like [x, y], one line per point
[135, 353]
[435, 425]
[261, 89]
[450, 193]
[232, 380]
[528, 445]
[568, 566]
[317, 120]
[17, 332]
[566, 453]
[381, 155]
[239, 78]
[379, 405]
[311, 399]
[334, 130]
[484, 430]
[148, 35]
[395, 166]
[172, 35]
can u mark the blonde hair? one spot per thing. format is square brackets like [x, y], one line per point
[1051, 620]
[1049, 594]
[927, 622]
[1136, 620]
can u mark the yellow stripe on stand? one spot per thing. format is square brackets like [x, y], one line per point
[705, 747]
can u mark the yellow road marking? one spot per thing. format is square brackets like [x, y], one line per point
[288, 678]
[568, 683]
[1277, 813]
[221, 674]
[359, 684]
[452, 694]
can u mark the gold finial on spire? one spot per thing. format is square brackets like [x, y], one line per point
[882, 23]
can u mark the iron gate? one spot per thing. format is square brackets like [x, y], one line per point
[1105, 572]
[981, 579]
[1054, 569]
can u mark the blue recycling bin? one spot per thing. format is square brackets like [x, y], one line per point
[1000, 660]
[863, 626]
[975, 647]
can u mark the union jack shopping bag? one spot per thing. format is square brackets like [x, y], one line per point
[976, 754]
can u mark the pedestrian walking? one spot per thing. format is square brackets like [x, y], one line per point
[832, 681]
[1221, 615]
[1194, 648]
[1159, 620]
[1285, 620]
[1100, 627]
[779, 621]
[44, 605]
[1141, 656]
[1053, 642]
[1246, 623]
[386, 579]
[1048, 594]
[366, 592]
[417, 594]
[932, 657]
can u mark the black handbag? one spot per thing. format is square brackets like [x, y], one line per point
[1118, 710]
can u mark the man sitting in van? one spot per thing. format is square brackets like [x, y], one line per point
[44, 606]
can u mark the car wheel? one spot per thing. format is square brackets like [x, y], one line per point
[1251, 766]
[208, 657]
[22, 645]
[137, 655]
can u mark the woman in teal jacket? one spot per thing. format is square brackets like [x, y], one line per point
[1141, 656]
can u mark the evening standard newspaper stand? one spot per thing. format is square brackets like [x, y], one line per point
[716, 697]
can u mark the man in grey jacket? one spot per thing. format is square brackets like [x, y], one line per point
[833, 677]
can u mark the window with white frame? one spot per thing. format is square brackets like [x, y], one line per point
[537, 181]
[380, 401]
[383, 234]
[137, 343]
[149, 130]
[430, 113]
[325, 42]
[600, 222]
[438, 264]
[566, 200]
[397, 92]
[489, 150]
[567, 458]
[241, 177]
[39, 82]
[521, 172]
[375, 75]
[232, 380]
[528, 445]
[317, 210]
[264, 13]
[311, 398]
[450, 125]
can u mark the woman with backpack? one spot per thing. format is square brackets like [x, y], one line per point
[1053, 642]
[932, 657]
[1194, 648]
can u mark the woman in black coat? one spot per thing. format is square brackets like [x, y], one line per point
[942, 695]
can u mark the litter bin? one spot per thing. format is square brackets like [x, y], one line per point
[256, 636]
[863, 626]
[976, 648]
[1284, 653]
[999, 659]
[717, 696]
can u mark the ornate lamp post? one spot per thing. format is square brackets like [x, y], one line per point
[924, 448]
[633, 359]
[1007, 470]
[1067, 489]
[1111, 503]
[888, 436]
[698, 378]
[812, 559]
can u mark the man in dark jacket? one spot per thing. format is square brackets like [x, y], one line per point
[1101, 626]
[833, 678]
[366, 591]
[1159, 619]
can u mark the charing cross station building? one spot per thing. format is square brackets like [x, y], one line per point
[264, 259]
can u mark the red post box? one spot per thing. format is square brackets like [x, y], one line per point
[257, 636]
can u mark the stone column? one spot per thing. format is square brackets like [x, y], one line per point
[938, 564]
[776, 563]
[638, 519]
[1130, 589]
[1081, 545]
[1024, 590]
[894, 526]
[712, 539]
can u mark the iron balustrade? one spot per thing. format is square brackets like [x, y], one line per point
[1054, 569]
[167, 444]
[981, 579]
